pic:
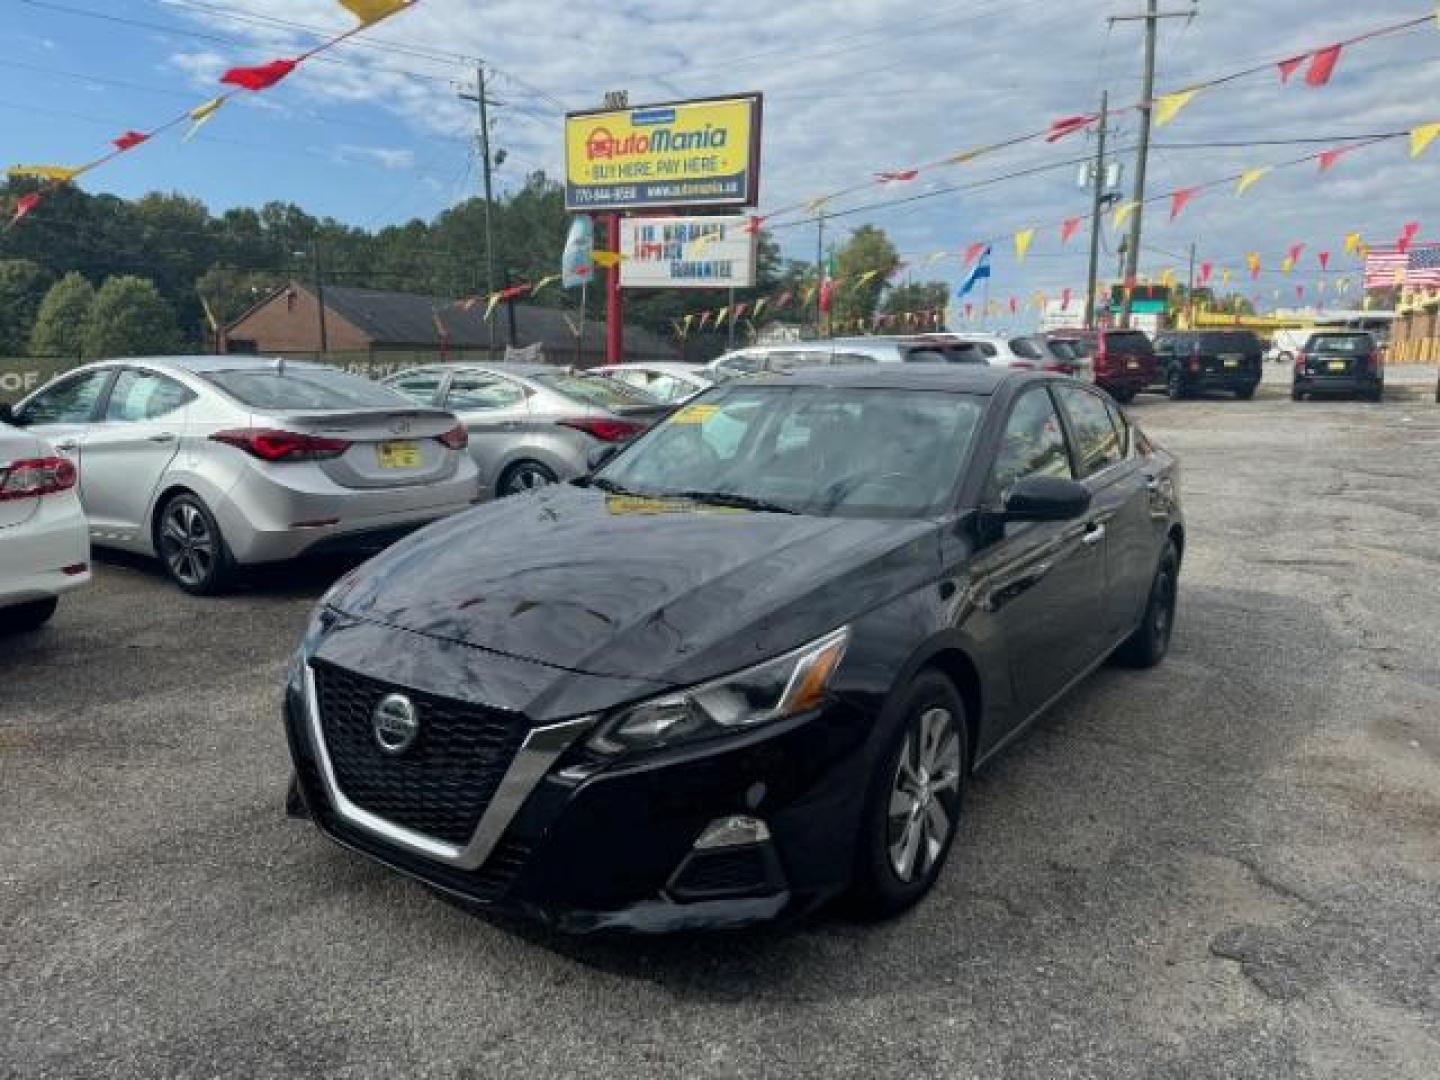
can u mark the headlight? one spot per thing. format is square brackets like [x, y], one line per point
[786, 686]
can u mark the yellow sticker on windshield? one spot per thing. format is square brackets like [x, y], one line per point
[694, 414]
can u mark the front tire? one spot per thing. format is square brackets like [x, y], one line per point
[525, 476]
[1124, 397]
[23, 618]
[191, 547]
[1148, 645]
[1175, 386]
[1245, 393]
[912, 810]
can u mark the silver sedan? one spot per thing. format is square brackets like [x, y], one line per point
[531, 425]
[215, 462]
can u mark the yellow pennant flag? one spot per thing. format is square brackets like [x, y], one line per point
[967, 156]
[936, 258]
[759, 307]
[1352, 242]
[490, 305]
[1168, 106]
[544, 283]
[1252, 261]
[1224, 277]
[1123, 211]
[1421, 137]
[372, 11]
[607, 259]
[1023, 240]
[865, 278]
[60, 174]
[1168, 279]
[816, 205]
[201, 114]
[1249, 178]
[720, 318]
[1287, 264]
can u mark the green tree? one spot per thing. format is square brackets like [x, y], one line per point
[23, 283]
[130, 318]
[61, 321]
[230, 292]
[918, 296]
[862, 266]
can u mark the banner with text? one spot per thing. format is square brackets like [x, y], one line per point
[688, 153]
[687, 253]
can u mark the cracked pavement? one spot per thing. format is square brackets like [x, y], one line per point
[1229, 866]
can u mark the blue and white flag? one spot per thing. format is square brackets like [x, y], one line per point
[577, 263]
[979, 272]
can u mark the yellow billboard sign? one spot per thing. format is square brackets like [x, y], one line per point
[688, 153]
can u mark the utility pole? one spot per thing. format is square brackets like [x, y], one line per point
[483, 105]
[318, 277]
[1092, 281]
[819, 271]
[1152, 19]
[1190, 292]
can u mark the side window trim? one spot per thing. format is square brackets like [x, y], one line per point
[1073, 442]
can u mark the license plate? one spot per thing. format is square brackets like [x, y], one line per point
[1336, 365]
[1232, 363]
[1132, 365]
[398, 455]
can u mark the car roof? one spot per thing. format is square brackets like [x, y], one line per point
[953, 378]
[204, 364]
[659, 365]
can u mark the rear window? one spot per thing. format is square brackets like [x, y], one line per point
[1128, 341]
[594, 390]
[1346, 344]
[305, 388]
[1237, 341]
[943, 354]
[1084, 348]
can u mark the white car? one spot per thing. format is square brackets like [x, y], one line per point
[44, 539]
[671, 383]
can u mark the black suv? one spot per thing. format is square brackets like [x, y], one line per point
[1196, 360]
[1339, 362]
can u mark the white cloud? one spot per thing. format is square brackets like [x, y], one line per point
[387, 157]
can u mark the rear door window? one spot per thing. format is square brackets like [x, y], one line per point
[479, 392]
[145, 395]
[420, 387]
[1026, 349]
[1097, 443]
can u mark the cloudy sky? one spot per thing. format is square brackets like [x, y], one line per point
[375, 133]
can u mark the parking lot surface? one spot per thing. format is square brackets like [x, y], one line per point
[1228, 866]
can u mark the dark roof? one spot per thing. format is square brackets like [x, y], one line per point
[399, 319]
[954, 378]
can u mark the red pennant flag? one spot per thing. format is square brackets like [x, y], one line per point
[1294, 253]
[969, 309]
[827, 293]
[129, 139]
[973, 252]
[261, 77]
[1014, 306]
[740, 310]
[1069, 229]
[1300, 292]
[1330, 157]
[704, 318]
[1065, 295]
[900, 176]
[1324, 257]
[515, 292]
[1402, 244]
[1068, 125]
[1130, 282]
[1289, 67]
[752, 226]
[1323, 65]
[1206, 269]
[24, 205]
[1410, 230]
[782, 300]
[1179, 199]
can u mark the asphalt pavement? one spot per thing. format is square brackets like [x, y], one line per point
[1226, 867]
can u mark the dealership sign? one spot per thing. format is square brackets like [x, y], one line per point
[687, 253]
[688, 153]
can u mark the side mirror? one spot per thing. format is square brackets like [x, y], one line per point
[598, 456]
[1045, 498]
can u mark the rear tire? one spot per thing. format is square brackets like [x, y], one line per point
[1245, 394]
[1376, 395]
[1124, 397]
[525, 476]
[23, 618]
[1175, 388]
[1297, 395]
[191, 547]
[912, 809]
[1148, 645]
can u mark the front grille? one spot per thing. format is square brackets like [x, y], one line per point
[442, 784]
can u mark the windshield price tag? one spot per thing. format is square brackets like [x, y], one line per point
[695, 414]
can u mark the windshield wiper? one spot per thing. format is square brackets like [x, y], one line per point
[734, 499]
[612, 487]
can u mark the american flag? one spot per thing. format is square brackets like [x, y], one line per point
[1390, 267]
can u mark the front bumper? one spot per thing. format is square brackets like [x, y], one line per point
[1221, 380]
[596, 845]
[1338, 384]
[35, 554]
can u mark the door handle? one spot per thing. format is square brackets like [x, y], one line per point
[1094, 533]
[163, 437]
[68, 445]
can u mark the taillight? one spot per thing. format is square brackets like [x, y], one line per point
[270, 445]
[1194, 363]
[603, 429]
[457, 438]
[30, 478]
[1056, 367]
[1022, 365]
[1300, 361]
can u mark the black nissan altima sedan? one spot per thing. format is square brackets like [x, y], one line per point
[749, 663]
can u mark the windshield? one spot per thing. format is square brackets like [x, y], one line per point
[306, 388]
[1240, 341]
[1349, 344]
[813, 450]
[1082, 347]
[1128, 341]
[595, 390]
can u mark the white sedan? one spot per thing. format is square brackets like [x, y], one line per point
[44, 539]
[667, 381]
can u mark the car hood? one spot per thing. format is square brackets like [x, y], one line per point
[634, 588]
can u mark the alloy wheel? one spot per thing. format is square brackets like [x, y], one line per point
[187, 543]
[924, 794]
[527, 476]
